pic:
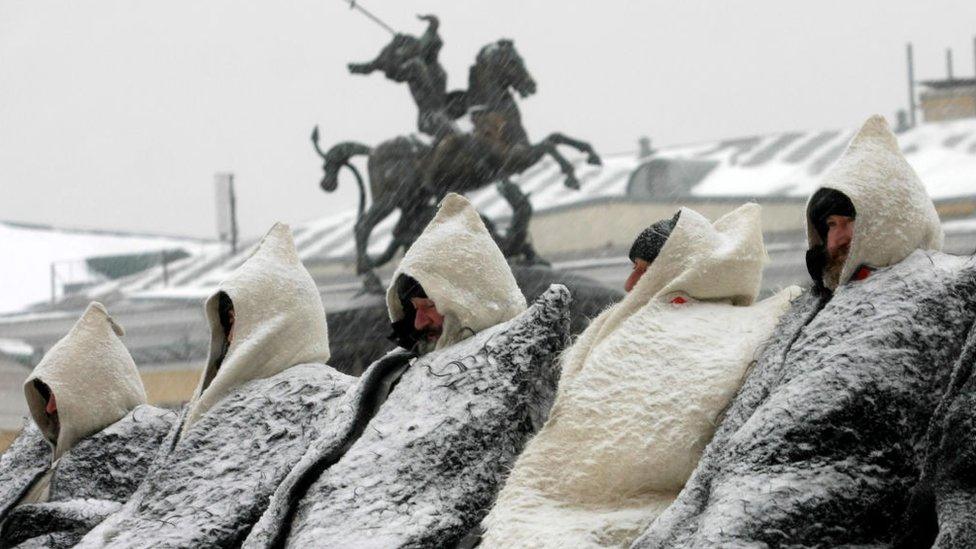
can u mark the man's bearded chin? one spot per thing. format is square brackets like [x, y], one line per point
[835, 264]
[428, 340]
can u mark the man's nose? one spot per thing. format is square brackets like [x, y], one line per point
[631, 281]
[420, 321]
[844, 238]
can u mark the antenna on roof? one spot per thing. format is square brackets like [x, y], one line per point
[644, 147]
[949, 63]
[226, 209]
[911, 84]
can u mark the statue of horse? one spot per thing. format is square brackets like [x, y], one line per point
[409, 175]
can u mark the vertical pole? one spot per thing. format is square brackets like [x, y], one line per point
[911, 84]
[54, 291]
[233, 216]
[949, 63]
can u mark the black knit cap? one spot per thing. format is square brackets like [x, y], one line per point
[825, 203]
[649, 243]
[407, 288]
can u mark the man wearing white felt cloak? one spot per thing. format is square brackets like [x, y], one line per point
[825, 441]
[265, 394]
[91, 440]
[642, 390]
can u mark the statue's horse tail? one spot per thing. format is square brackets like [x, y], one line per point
[337, 157]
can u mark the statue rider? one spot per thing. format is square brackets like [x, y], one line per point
[414, 61]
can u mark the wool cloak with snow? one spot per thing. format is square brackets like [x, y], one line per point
[641, 392]
[429, 463]
[943, 502]
[59, 479]
[254, 414]
[825, 439]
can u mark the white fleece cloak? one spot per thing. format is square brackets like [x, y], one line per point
[462, 271]
[279, 322]
[642, 391]
[895, 215]
[92, 376]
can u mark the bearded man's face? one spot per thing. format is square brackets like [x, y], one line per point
[840, 232]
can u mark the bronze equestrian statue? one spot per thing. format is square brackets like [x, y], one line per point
[407, 174]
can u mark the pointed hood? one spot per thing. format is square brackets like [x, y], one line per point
[894, 214]
[705, 261]
[462, 271]
[279, 322]
[93, 378]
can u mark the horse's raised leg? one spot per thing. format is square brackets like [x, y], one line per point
[568, 170]
[557, 138]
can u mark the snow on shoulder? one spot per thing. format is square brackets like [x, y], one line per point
[91, 375]
[894, 214]
[642, 391]
[462, 271]
[279, 322]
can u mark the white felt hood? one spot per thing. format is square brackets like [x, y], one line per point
[894, 214]
[93, 379]
[642, 391]
[462, 271]
[701, 260]
[280, 322]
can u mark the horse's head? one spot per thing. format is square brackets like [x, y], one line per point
[402, 48]
[330, 180]
[501, 63]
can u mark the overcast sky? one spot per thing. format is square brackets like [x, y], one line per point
[116, 114]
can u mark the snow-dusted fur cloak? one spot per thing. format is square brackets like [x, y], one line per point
[253, 416]
[641, 392]
[430, 462]
[215, 482]
[91, 481]
[96, 456]
[827, 436]
[944, 501]
[462, 271]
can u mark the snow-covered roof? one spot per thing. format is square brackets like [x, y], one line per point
[29, 250]
[15, 348]
[781, 165]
